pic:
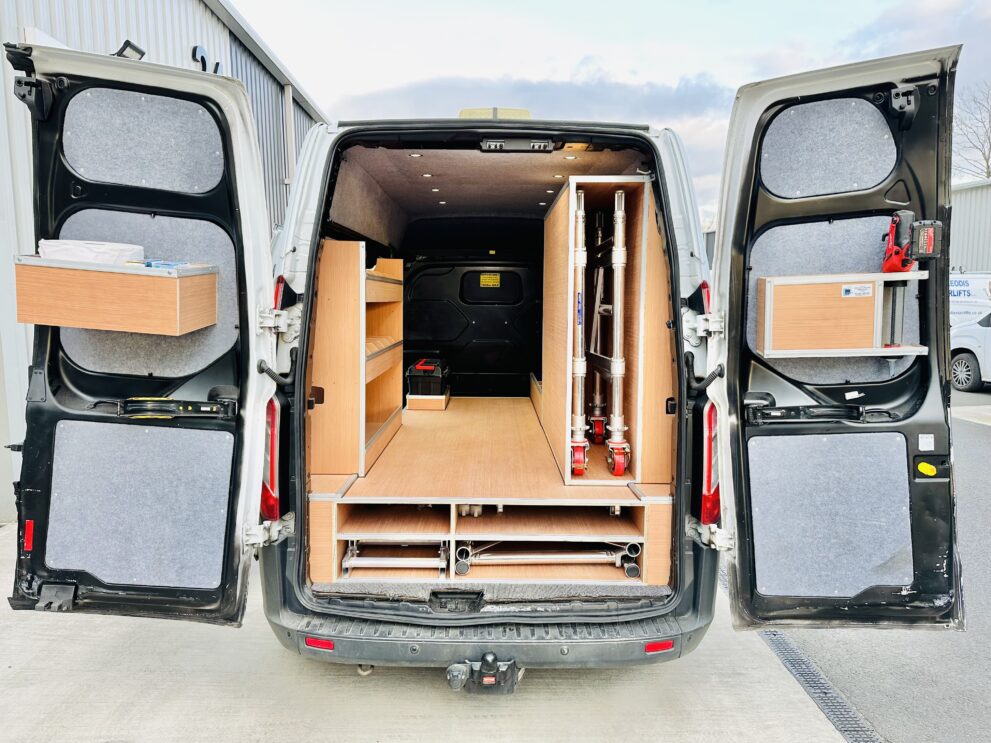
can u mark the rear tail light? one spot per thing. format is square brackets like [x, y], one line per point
[319, 643]
[28, 535]
[706, 296]
[658, 646]
[270, 474]
[710, 471]
[280, 290]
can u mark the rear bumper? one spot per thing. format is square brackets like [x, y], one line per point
[550, 645]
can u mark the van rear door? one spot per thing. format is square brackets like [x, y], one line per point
[137, 495]
[834, 450]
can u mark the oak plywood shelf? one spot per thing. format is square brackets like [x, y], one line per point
[117, 297]
[832, 315]
[393, 522]
[549, 523]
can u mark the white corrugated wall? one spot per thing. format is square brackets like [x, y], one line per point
[265, 93]
[302, 122]
[970, 234]
[167, 31]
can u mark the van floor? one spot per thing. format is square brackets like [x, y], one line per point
[480, 450]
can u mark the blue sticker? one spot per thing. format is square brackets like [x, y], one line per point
[579, 308]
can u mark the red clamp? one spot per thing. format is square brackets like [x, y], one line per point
[422, 365]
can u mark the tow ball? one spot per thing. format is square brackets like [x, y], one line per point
[486, 676]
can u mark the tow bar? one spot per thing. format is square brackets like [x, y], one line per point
[486, 676]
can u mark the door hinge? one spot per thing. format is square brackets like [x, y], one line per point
[36, 94]
[56, 597]
[709, 535]
[711, 324]
[270, 532]
[277, 320]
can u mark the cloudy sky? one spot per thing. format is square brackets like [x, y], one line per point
[667, 62]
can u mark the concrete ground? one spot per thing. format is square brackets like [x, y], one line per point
[929, 686]
[89, 678]
[86, 678]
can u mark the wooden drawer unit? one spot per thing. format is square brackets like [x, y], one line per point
[828, 315]
[133, 299]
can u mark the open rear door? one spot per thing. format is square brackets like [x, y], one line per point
[832, 419]
[142, 463]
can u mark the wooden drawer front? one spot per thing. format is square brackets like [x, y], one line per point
[107, 300]
[817, 315]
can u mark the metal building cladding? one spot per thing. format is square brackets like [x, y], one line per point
[191, 34]
[970, 243]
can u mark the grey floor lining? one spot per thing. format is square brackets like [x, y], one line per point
[826, 147]
[139, 139]
[168, 238]
[140, 505]
[830, 513]
[828, 247]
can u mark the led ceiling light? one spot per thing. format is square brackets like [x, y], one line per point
[415, 154]
[428, 175]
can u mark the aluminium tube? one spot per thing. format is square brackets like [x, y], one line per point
[576, 557]
[617, 423]
[578, 363]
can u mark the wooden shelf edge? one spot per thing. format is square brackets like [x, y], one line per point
[845, 352]
[393, 343]
[381, 361]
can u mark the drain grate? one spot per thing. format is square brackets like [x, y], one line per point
[844, 717]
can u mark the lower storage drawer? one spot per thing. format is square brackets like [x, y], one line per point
[133, 299]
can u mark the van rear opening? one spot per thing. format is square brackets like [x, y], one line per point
[468, 263]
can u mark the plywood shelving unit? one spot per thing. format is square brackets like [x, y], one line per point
[359, 317]
[398, 511]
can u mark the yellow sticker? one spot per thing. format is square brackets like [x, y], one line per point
[927, 469]
[489, 280]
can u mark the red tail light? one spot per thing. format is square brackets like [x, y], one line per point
[658, 646]
[319, 643]
[710, 471]
[706, 296]
[270, 475]
[280, 288]
[28, 535]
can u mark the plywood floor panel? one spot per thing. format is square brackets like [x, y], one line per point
[479, 450]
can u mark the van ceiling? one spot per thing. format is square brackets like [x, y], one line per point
[482, 184]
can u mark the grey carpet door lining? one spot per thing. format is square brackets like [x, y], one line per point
[140, 505]
[830, 513]
[135, 138]
[172, 239]
[826, 147]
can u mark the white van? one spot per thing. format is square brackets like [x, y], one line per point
[173, 435]
[970, 325]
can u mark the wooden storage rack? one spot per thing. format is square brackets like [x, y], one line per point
[415, 513]
[359, 316]
[120, 297]
[649, 346]
[829, 315]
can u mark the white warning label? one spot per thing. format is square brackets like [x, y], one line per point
[857, 290]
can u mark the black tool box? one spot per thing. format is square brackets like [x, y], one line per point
[427, 377]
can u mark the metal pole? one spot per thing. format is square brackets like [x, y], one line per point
[579, 445]
[619, 449]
